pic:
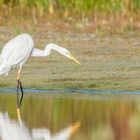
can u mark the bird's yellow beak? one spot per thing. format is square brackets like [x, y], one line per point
[74, 59]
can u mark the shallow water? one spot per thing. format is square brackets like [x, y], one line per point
[102, 116]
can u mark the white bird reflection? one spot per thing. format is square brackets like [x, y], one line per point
[11, 130]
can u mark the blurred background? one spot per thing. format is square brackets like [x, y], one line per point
[110, 15]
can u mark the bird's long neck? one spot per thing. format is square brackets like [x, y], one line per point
[55, 47]
[46, 51]
[38, 52]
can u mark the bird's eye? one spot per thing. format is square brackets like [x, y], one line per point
[67, 53]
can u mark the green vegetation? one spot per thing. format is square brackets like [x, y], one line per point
[110, 15]
[90, 8]
[88, 5]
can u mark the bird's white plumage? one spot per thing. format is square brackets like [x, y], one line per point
[16, 52]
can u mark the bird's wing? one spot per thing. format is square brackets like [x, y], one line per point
[12, 55]
[16, 51]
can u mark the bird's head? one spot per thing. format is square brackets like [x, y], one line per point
[60, 50]
[67, 54]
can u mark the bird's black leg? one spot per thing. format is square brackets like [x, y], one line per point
[18, 103]
[22, 93]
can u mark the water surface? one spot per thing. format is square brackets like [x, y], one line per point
[102, 116]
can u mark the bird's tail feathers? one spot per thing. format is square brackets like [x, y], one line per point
[4, 69]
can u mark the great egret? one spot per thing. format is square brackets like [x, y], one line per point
[17, 51]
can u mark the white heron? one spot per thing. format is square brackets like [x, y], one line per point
[17, 51]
